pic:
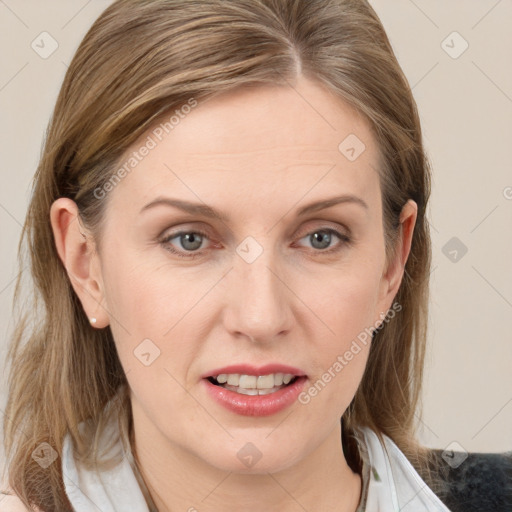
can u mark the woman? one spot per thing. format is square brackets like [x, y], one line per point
[198, 351]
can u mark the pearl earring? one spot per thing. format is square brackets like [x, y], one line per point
[92, 320]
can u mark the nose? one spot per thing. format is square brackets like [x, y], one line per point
[258, 301]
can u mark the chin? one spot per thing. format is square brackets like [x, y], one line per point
[250, 457]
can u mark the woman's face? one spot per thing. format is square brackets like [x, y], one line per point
[259, 283]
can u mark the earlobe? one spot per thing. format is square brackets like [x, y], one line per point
[76, 251]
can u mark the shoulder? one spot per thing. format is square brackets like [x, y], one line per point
[478, 481]
[9, 502]
[469, 482]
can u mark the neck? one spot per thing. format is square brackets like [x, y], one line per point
[177, 480]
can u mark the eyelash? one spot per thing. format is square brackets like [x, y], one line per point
[345, 239]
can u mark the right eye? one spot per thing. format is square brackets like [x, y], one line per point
[190, 242]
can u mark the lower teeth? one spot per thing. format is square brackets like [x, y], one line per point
[244, 391]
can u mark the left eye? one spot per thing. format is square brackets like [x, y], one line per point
[191, 241]
[321, 239]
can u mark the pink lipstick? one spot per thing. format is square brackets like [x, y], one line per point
[251, 391]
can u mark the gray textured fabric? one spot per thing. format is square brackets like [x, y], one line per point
[481, 483]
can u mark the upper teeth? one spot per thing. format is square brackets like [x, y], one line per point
[255, 381]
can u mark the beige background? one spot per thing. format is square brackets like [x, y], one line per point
[465, 105]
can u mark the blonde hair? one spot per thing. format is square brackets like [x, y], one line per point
[139, 60]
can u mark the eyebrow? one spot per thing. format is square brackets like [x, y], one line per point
[206, 211]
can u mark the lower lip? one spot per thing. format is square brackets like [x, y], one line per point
[256, 405]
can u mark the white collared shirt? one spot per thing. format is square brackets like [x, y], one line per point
[390, 482]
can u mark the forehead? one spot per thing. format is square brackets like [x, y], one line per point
[281, 142]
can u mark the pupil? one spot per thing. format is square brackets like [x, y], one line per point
[321, 236]
[190, 237]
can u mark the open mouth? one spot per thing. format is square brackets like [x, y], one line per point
[252, 384]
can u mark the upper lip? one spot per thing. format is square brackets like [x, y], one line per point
[247, 369]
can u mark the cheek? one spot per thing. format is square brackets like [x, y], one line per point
[150, 327]
[145, 308]
[149, 297]
[346, 305]
[347, 300]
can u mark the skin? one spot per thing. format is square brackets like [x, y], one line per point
[257, 155]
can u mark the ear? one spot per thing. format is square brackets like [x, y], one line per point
[393, 274]
[76, 250]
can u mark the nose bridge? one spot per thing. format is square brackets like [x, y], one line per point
[258, 302]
